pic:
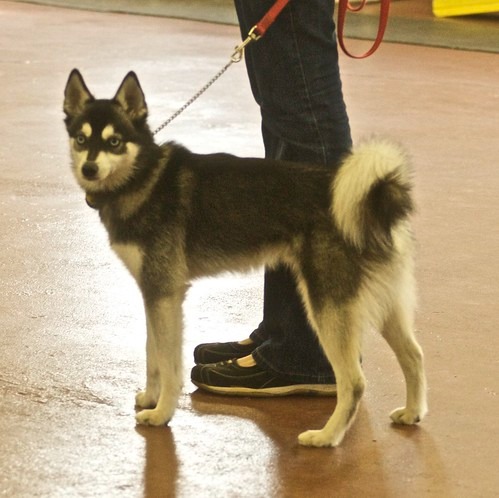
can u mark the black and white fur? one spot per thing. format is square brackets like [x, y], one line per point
[173, 216]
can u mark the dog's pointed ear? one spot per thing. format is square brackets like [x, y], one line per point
[131, 97]
[76, 94]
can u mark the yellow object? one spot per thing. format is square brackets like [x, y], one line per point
[445, 8]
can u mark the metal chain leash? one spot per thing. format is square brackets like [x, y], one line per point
[194, 97]
[236, 56]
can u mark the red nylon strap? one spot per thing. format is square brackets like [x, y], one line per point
[344, 6]
[268, 19]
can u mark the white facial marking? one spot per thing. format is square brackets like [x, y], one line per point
[86, 129]
[107, 132]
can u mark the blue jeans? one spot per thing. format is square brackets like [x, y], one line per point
[295, 79]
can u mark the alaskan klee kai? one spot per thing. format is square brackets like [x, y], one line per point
[173, 216]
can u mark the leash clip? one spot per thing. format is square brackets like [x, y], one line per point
[239, 50]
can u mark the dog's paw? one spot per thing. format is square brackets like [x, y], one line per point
[151, 417]
[318, 438]
[406, 416]
[145, 400]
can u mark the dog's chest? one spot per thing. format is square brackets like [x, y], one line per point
[132, 256]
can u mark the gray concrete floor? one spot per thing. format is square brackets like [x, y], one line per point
[72, 329]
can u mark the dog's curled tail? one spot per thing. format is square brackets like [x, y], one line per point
[371, 194]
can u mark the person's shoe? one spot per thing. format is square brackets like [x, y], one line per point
[215, 352]
[229, 378]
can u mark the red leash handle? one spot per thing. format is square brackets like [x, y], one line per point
[343, 7]
[269, 18]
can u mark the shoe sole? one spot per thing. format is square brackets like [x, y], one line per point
[292, 390]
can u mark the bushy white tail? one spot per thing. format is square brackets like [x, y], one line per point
[371, 194]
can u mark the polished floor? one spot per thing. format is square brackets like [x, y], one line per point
[72, 329]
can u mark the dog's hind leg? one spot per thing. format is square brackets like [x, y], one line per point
[339, 334]
[398, 332]
[164, 368]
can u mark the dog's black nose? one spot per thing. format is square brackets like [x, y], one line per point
[90, 170]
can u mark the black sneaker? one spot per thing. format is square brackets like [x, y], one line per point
[215, 352]
[229, 378]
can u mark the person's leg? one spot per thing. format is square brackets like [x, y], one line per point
[288, 345]
[295, 79]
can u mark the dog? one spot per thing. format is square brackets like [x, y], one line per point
[173, 216]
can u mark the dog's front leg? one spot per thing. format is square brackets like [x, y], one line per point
[164, 362]
[149, 397]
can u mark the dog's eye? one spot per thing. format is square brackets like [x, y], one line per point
[114, 142]
[81, 139]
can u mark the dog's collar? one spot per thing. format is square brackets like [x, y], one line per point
[92, 201]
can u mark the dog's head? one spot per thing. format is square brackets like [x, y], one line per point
[106, 136]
